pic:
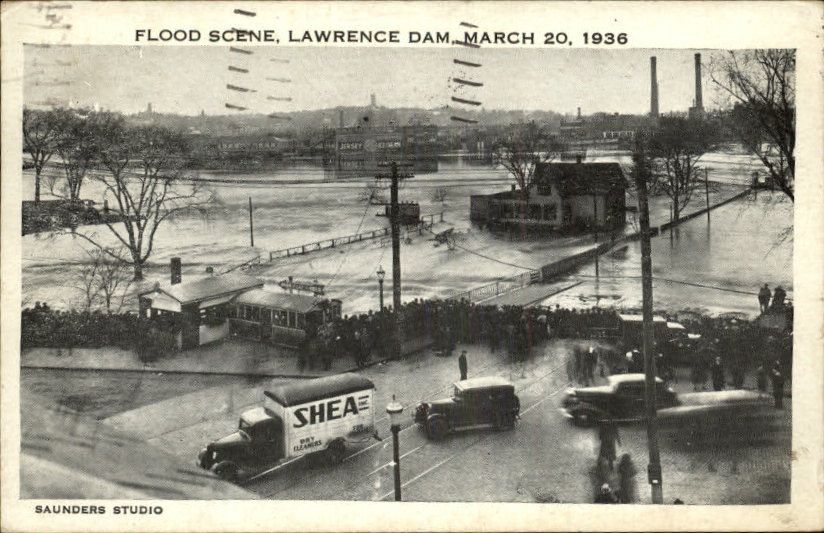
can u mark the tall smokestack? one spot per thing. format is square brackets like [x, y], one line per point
[340, 118]
[699, 101]
[176, 270]
[653, 72]
[579, 113]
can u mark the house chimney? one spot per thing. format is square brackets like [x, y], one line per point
[699, 101]
[340, 118]
[578, 159]
[176, 274]
[513, 187]
[653, 72]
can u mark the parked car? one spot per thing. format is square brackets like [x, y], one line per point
[475, 403]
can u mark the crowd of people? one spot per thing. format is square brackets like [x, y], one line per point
[725, 349]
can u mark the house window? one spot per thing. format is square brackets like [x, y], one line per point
[301, 321]
[256, 314]
[544, 189]
[550, 212]
[535, 212]
[279, 318]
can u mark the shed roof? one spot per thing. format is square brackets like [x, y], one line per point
[300, 303]
[209, 287]
[582, 178]
[319, 388]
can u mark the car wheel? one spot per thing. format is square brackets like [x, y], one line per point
[335, 452]
[226, 471]
[584, 418]
[437, 428]
[504, 421]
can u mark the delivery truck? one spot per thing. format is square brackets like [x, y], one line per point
[318, 416]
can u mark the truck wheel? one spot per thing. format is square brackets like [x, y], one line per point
[437, 428]
[335, 452]
[226, 470]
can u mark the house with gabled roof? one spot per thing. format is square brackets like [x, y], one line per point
[562, 197]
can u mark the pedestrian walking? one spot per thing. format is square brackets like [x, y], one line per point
[462, 364]
[761, 377]
[628, 491]
[764, 296]
[591, 361]
[605, 495]
[718, 379]
[777, 379]
[608, 435]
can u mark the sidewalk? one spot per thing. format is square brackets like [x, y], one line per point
[232, 356]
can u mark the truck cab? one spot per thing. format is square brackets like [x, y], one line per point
[259, 438]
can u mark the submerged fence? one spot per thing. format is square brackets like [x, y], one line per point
[426, 222]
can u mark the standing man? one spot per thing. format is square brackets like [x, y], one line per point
[777, 379]
[764, 296]
[718, 379]
[608, 435]
[462, 364]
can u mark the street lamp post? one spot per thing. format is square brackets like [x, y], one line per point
[381, 275]
[394, 410]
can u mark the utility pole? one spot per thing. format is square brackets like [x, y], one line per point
[654, 474]
[595, 224]
[707, 190]
[251, 225]
[394, 223]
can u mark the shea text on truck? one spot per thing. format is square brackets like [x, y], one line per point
[321, 415]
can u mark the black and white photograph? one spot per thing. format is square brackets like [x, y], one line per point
[396, 263]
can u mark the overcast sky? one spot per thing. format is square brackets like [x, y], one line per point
[189, 79]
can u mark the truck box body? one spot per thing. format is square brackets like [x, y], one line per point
[319, 411]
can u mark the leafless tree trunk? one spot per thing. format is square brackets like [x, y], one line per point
[149, 196]
[677, 146]
[761, 84]
[40, 135]
[76, 146]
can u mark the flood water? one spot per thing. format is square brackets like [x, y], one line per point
[295, 206]
[730, 255]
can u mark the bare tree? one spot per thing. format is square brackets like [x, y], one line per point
[76, 146]
[40, 134]
[87, 283]
[761, 84]
[149, 196]
[522, 149]
[113, 278]
[676, 146]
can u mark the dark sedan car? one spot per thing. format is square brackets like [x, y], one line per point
[479, 402]
[621, 399]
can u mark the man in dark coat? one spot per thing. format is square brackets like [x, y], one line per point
[462, 364]
[764, 296]
[718, 379]
[608, 435]
[777, 379]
